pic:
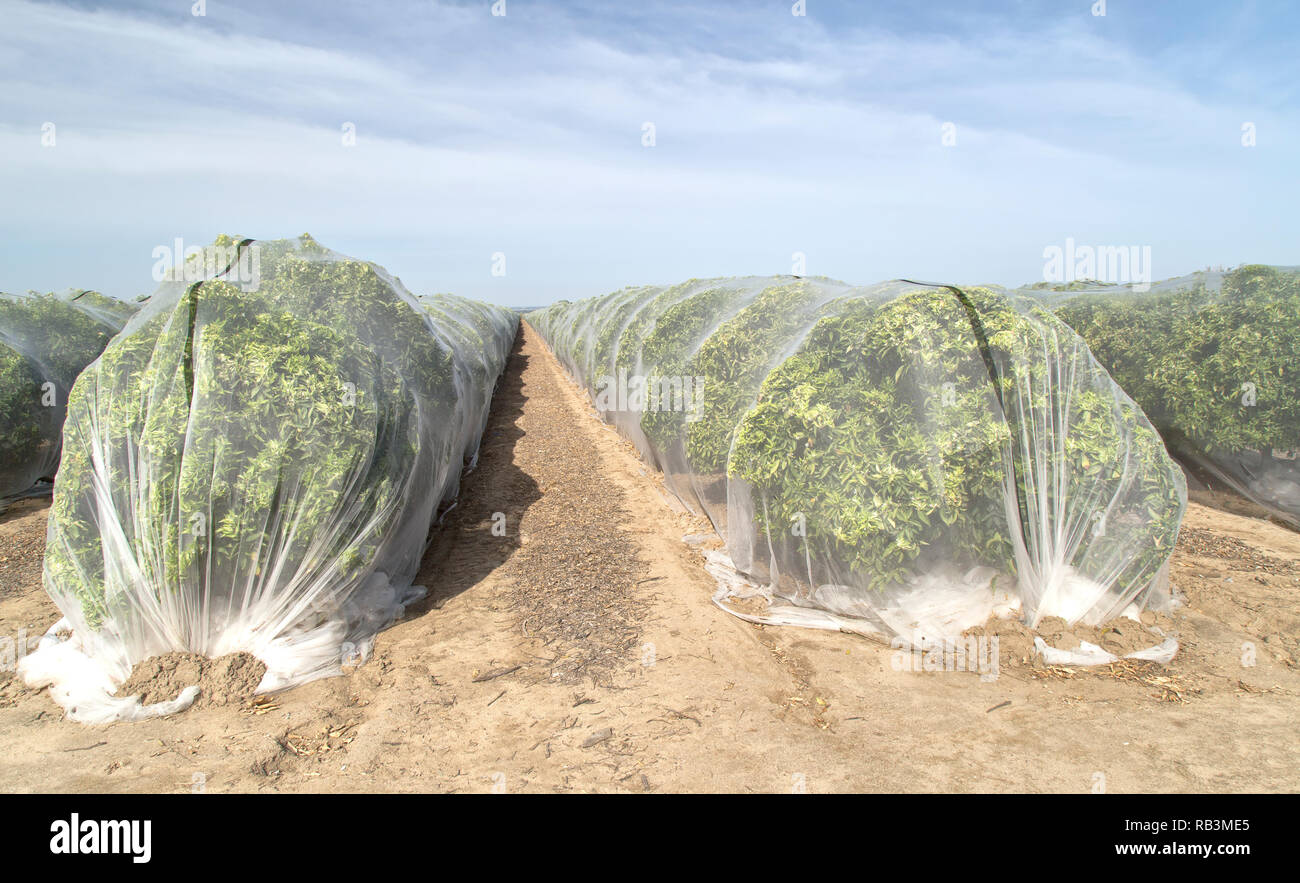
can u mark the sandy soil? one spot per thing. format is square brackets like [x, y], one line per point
[580, 651]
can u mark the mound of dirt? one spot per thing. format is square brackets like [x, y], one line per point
[1120, 636]
[223, 681]
[1015, 641]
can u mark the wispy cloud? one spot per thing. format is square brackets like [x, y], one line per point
[523, 135]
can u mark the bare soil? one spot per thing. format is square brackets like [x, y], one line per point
[578, 650]
[233, 678]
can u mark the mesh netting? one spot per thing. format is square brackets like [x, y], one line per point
[46, 340]
[1214, 359]
[908, 456]
[254, 465]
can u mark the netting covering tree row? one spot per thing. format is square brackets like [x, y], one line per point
[255, 465]
[46, 340]
[912, 456]
[1214, 360]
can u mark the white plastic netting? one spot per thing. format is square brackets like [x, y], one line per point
[46, 340]
[1214, 360]
[893, 458]
[254, 465]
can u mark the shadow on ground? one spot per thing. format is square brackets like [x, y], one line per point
[496, 485]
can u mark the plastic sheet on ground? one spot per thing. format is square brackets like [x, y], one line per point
[1088, 654]
[896, 456]
[254, 465]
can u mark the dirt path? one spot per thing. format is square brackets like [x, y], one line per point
[577, 650]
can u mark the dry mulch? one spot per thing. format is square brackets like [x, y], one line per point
[577, 591]
[1197, 541]
[22, 545]
[571, 572]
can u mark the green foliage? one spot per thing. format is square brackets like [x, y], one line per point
[884, 432]
[1185, 355]
[668, 349]
[734, 361]
[45, 338]
[890, 424]
[470, 328]
[21, 419]
[611, 320]
[855, 432]
[644, 320]
[284, 420]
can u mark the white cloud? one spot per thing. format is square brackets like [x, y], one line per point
[526, 136]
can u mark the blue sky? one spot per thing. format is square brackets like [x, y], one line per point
[774, 134]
